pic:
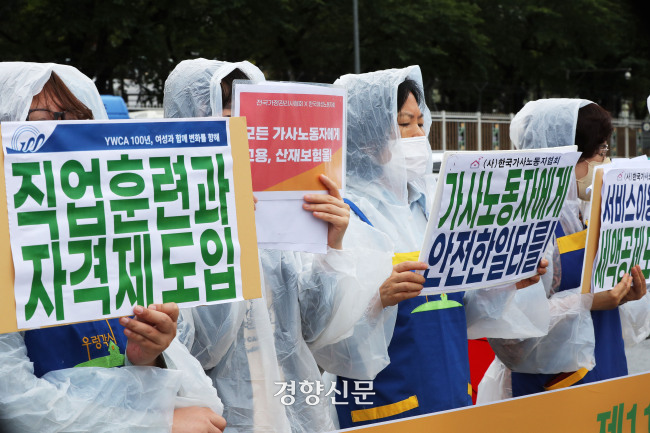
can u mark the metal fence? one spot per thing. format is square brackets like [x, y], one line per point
[478, 131]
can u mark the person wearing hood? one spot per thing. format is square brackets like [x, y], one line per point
[585, 340]
[40, 390]
[311, 302]
[390, 186]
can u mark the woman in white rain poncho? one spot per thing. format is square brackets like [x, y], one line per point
[311, 303]
[584, 335]
[388, 179]
[39, 391]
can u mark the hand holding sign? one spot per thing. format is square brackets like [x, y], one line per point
[541, 270]
[638, 288]
[402, 283]
[150, 333]
[331, 209]
[610, 299]
[617, 237]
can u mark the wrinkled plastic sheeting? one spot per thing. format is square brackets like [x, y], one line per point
[496, 384]
[635, 320]
[296, 321]
[210, 330]
[568, 346]
[21, 81]
[506, 312]
[195, 388]
[364, 352]
[193, 88]
[314, 301]
[83, 399]
[235, 343]
[546, 123]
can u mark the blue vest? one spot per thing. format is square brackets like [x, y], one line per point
[609, 350]
[91, 344]
[428, 370]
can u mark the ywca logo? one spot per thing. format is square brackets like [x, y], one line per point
[476, 163]
[27, 139]
[619, 177]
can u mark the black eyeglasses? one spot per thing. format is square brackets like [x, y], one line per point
[51, 115]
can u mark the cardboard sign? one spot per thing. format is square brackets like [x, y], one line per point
[617, 405]
[296, 132]
[493, 215]
[106, 215]
[618, 236]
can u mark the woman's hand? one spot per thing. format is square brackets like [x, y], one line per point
[610, 299]
[331, 209]
[402, 283]
[541, 270]
[150, 332]
[196, 419]
[638, 288]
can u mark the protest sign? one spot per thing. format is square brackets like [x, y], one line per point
[106, 215]
[296, 132]
[493, 215]
[616, 405]
[618, 236]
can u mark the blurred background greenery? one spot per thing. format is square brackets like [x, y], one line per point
[476, 55]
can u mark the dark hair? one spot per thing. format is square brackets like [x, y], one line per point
[57, 92]
[594, 128]
[408, 86]
[226, 85]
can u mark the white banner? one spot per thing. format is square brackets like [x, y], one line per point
[106, 215]
[493, 216]
[624, 235]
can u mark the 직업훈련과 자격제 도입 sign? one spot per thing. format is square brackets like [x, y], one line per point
[106, 215]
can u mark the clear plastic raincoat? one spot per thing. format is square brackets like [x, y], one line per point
[544, 124]
[377, 185]
[85, 399]
[577, 337]
[311, 305]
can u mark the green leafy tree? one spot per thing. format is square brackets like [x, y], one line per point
[487, 55]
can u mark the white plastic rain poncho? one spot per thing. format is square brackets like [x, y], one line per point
[193, 88]
[311, 304]
[20, 81]
[125, 399]
[544, 124]
[377, 185]
[577, 338]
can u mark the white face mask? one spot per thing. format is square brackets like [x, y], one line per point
[417, 157]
